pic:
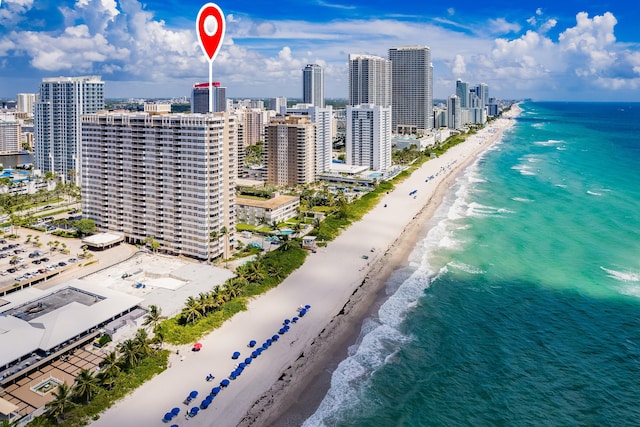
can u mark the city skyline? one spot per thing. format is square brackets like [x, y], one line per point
[551, 51]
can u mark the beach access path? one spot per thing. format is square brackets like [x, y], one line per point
[325, 282]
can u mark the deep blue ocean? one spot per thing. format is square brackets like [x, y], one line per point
[521, 307]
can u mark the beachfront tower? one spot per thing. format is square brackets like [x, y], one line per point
[368, 141]
[462, 91]
[369, 80]
[166, 177]
[323, 118]
[313, 85]
[454, 112]
[411, 88]
[57, 123]
[290, 150]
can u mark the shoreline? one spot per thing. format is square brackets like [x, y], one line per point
[341, 285]
[302, 387]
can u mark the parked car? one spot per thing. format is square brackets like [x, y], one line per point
[72, 260]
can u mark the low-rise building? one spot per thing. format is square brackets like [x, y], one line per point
[277, 209]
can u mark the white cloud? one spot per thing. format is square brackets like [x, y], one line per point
[502, 26]
[459, 68]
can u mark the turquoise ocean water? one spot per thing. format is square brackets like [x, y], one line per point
[522, 305]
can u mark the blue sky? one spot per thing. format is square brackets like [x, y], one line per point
[585, 50]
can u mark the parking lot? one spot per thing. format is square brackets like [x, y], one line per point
[35, 256]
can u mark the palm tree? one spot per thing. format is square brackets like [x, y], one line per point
[142, 342]
[130, 353]
[86, 385]
[276, 272]
[192, 310]
[234, 288]
[61, 403]
[225, 233]
[218, 295]
[109, 369]
[153, 317]
[251, 271]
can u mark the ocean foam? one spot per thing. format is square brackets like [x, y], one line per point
[466, 268]
[522, 200]
[548, 142]
[524, 169]
[628, 276]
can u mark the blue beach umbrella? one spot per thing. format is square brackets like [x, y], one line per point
[286, 322]
[225, 382]
[307, 306]
[204, 404]
[252, 343]
[275, 337]
[242, 365]
[215, 390]
[255, 354]
[303, 312]
[193, 394]
[167, 417]
[247, 361]
[175, 411]
[295, 319]
[235, 355]
[194, 411]
[265, 346]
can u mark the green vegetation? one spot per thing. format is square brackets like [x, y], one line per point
[121, 372]
[253, 154]
[209, 310]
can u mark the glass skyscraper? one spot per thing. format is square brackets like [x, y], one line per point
[313, 85]
[412, 88]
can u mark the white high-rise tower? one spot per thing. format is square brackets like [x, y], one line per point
[58, 125]
[369, 80]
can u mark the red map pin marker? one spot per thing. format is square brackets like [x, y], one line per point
[210, 27]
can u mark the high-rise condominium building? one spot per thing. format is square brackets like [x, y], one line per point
[167, 177]
[369, 80]
[462, 91]
[412, 87]
[454, 112]
[200, 98]
[290, 150]
[58, 125]
[278, 104]
[368, 141]
[25, 103]
[323, 118]
[313, 85]
[10, 136]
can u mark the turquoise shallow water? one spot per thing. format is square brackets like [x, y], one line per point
[521, 306]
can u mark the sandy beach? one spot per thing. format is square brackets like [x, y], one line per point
[339, 284]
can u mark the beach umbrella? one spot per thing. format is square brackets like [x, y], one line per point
[295, 319]
[275, 337]
[303, 312]
[242, 365]
[194, 411]
[269, 341]
[260, 350]
[204, 404]
[193, 394]
[247, 361]
[215, 390]
[224, 383]
[252, 343]
[197, 346]
[175, 411]
[232, 375]
[286, 322]
[255, 354]
[174, 425]
[265, 346]
[236, 354]
[307, 306]
[167, 417]
[286, 327]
